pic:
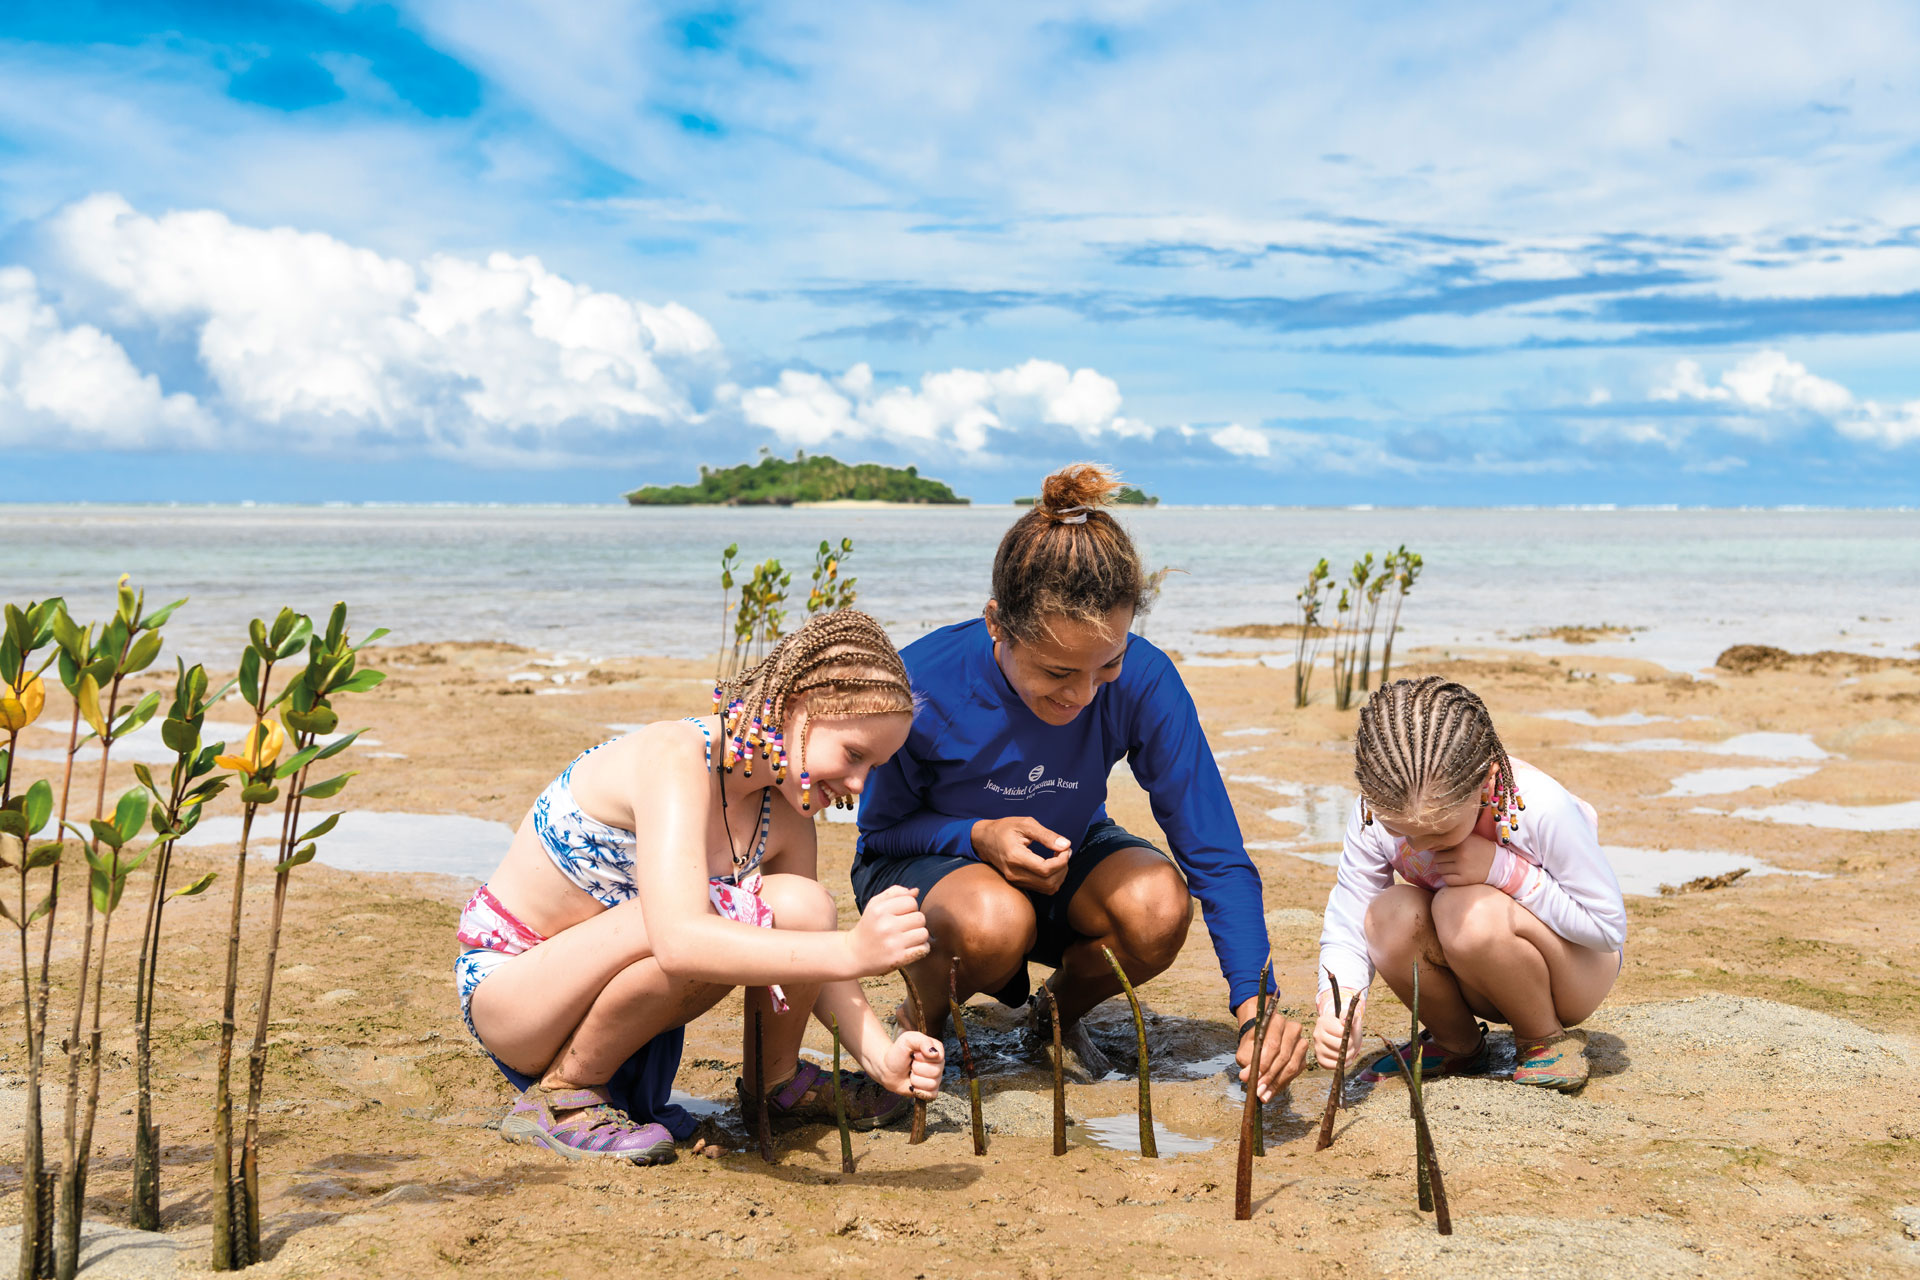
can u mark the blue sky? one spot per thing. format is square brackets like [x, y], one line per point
[480, 250]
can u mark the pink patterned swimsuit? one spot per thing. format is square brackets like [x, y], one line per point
[599, 859]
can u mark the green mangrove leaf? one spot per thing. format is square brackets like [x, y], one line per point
[142, 654]
[299, 857]
[360, 681]
[338, 745]
[39, 805]
[46, 905]
[250, 675]
[130, 813]
[157, 619]
[328, 788]
[296, 762]
[319, 829]
[45, 855]
[259, 793]
[181, 736]
[198, 886]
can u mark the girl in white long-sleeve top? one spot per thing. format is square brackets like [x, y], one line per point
[1506, 901]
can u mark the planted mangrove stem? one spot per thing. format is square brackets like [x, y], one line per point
[1148, 1148]
[840, 1105]
[918, 1133]
[1059, 1075]
[1413, 1098]
[762, 1127]
[1430, 1165]
[966, 1062]
[1250, 1109]
[1260, 1125]
[1336, 1093]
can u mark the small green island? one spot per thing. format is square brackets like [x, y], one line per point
[780, 482]
[1128, 496]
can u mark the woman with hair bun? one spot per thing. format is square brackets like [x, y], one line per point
[995, 809]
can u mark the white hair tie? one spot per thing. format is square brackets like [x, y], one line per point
[1072, 515]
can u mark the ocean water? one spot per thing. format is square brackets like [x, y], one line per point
[606, 581]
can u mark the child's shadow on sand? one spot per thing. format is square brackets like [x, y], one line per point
[1607, 1054]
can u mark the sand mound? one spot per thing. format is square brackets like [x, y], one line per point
[1745, 659]
[1479, 1115]
[1761, 1039]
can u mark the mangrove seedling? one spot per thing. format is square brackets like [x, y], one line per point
[1059, 1075]
[1260, 1126]
[1423, 1136]
[762, 1128]
[1336, 1093]
[128, 644]
[1148, 1148]
[1376, 591]
[830, 591]
[307, 712]
[917, 1010]
[254, 763]
[1250, 1108]
[840, 1105]
[175, 811]
[1309, 600]
[1414, 1098]
[966, 1061]
[23, 697]
[728, 563]
[1347, 631]
[1405, 567]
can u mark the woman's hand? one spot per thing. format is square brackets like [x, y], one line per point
[892, 932]
[1326, 1033]
[1282, 1057]
[1467, 862]
[1026, 854]
[913, 1065]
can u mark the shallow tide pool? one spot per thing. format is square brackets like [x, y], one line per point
[450, 844]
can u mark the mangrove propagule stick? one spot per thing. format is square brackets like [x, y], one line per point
[1250, 1109]
[763, 1130]
[966, 1062]
[1413, 1098]
[1059, 1076]
[1253, 1056]
[840, 1105]
[1442, 1215]
[918, 1009]
[1148, 1148]
[1338, 1088]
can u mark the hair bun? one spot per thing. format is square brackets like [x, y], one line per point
[1075, 487]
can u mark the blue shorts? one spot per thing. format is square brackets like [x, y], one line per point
[1053, 935]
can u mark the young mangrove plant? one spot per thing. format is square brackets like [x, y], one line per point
[762, 1127]
[966, 1061]
[917, 1010]
[176, 810]
[254, 763]
[840, 1105]
[128, 644]
[307, 712]
[1250, 1108]
[1336, 1092]
[24, 814]
[1348, 630]
[1433, 1188]
[728, 563]
[1376, 591]
[1059, 1075]
[1405, 567]
[1148, 1148]
[830, 591]
[1309, 601]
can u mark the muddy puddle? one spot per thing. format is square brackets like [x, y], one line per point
[1587, 719]
[1122, 1133]
[449, 844]
[1721, 782]
[1833, 817]
[1641, 872]
[1753, 746]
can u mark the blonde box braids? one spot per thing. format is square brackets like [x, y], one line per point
[1424, 746]
[844, 664]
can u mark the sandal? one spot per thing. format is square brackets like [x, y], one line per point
[1434, 1061]
[1557, 1062]
[592, 1126]
[808, 1099]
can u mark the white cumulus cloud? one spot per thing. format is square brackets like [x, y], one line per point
[1244, 441]
[75, 384]
[1768, 382]
[960, 407]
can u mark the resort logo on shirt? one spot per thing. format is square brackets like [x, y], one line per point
[1037, 781]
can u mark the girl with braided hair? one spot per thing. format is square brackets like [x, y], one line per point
[667, 867]
[995, 810]
[1506, 901]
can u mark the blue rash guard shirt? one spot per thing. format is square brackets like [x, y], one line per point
[977, 751]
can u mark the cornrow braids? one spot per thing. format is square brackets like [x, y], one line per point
[845, 665]
[1067, 556]
[1424, 746]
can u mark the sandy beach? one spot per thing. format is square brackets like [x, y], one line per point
[1753, 1109]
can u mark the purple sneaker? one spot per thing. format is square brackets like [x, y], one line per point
[592, 1126]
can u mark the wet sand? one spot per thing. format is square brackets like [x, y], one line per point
[1753, 1109]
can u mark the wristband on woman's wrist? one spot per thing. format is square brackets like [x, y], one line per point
[1247, 1026]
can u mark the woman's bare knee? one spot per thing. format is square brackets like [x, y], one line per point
[799, 903]
[988, 933]
[1471, 920]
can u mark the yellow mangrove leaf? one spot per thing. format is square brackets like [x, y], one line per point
[258, 750]
[89, 698]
